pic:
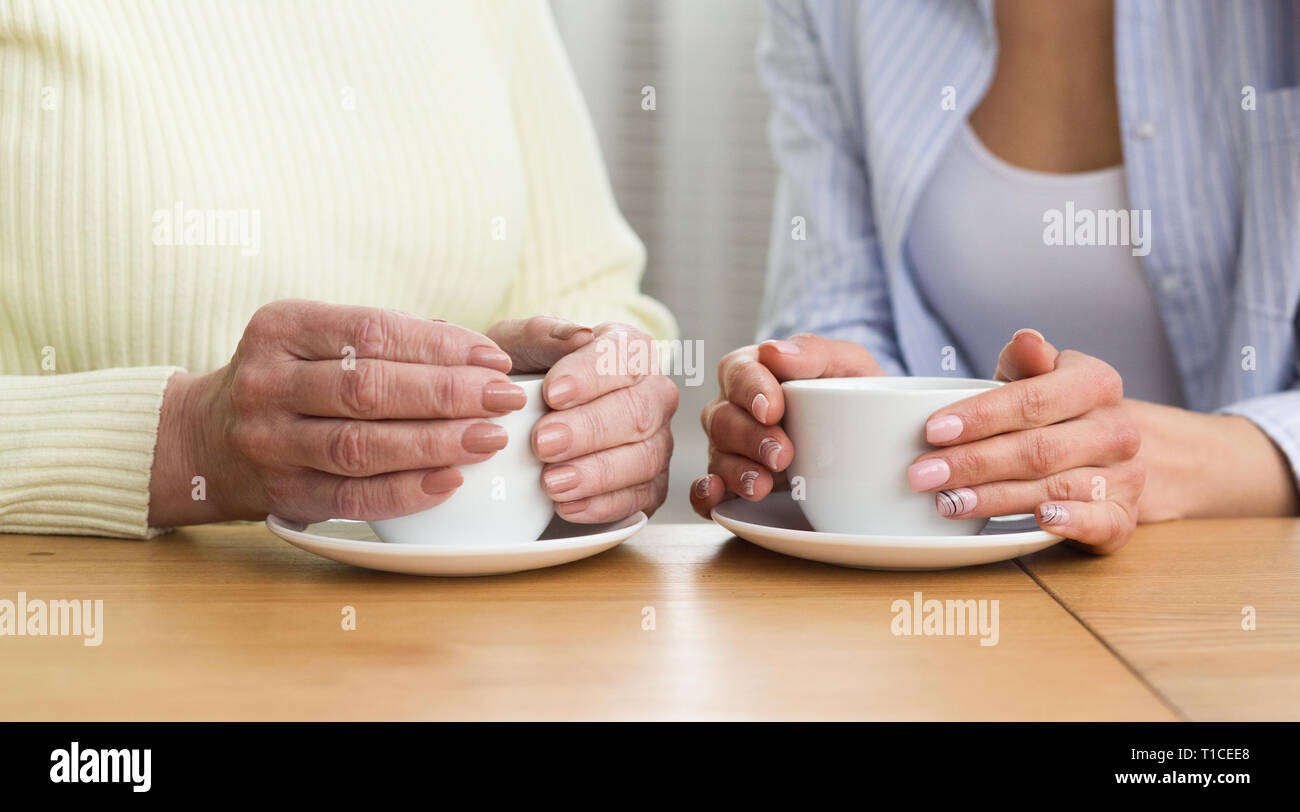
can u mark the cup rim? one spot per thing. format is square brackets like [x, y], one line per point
[893, 384]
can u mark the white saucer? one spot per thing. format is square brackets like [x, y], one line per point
[354, 543]
[777, 524]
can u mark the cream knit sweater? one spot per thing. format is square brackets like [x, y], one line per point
[167, 167]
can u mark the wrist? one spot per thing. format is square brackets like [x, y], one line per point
[1260, 470]
[180, 479]
[1209, 465]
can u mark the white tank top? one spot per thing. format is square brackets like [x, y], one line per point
[979, 246]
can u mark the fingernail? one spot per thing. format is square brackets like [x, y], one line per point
[566, 330]
[441, 481]
[955, 502]
[1053, 514]
[701, 487]
[783, 347]
[560, 391]
[561, 479]
[553, 439]
[572, 508]
[1030, 332]
[747, 481]
[503, 397]
[759, 408]
[489, 357]
[480, 438]
[768, 451]
[928, 474]
[943, 429]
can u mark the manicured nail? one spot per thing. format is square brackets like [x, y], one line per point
[553, 439]
[489, 357]
[1028, 331]
[768, 451]
[955, 502]
[481, 438]
[701, 487]
[560, 391]
[567, 329]
[928, 474]
[503, 397]
[759, 408]
[1053, 514]
[747, 481]
[943, 429]
[562, 478]
[572, 508]
[783, 347]
[441, 480]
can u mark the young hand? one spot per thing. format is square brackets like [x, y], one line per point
[1055, 441]
[746, 444]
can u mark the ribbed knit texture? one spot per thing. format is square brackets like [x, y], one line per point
[430, 156]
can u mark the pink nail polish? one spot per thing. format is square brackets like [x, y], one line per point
[441, 481]
[503, 396]
[783, 347]
[489, 357]
[560, 392]
[747, 481]
[943, 429]
[561, 479]
[484, 438]
[572, 508]
[553, 439]
[928, 474]
[701, 487]
[1053, 514]
[769, 451]
[567, 329]
[955, 502]
[1030, 332]
[759, 408]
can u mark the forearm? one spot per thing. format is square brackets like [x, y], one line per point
[1209, 465]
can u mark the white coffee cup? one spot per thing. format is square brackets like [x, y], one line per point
[853, 441]
[501, 501]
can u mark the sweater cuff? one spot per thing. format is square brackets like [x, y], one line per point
[76, 451]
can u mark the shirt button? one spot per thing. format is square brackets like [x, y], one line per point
[1170, 284]
[1146, 130]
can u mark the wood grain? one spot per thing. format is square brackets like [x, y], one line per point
[1170, 604]
[228, 622]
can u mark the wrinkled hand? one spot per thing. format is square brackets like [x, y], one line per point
[746, 444]
[327, 411]
[608, 442]
[1056, 441]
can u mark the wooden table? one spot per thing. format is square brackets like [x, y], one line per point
[228, 622]
[1171, 605]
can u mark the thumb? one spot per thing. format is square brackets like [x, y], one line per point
[1026, 355]
[812, 356]
[535, 344]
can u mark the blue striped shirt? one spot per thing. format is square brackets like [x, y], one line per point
[1210, 122]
